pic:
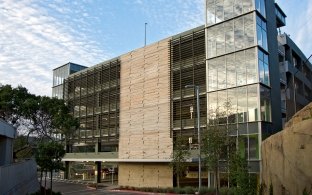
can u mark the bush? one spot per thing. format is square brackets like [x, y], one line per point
[179, 190]
[169, 190]
[206, 190]
[224, 191]
[189, 190]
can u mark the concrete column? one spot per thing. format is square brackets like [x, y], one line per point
[66, 174]
[98, 147]
[98, 171]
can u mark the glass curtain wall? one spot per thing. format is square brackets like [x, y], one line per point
[238, 71]
[222, 10]
[93, 97]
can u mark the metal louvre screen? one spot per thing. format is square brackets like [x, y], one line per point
[187, 68]
[93, 98]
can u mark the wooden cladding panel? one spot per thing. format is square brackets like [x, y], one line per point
[145, 103]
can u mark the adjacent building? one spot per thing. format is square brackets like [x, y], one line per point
[132, 107]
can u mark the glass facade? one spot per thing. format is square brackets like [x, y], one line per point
[260, 6]
[221, 10]
[262, 33]
[232, 70]
[238, 72]
[233, 35]
[265, 101]
[263, 63]
[62, 73]
[57, 92]
[240, 104]
[93, 97]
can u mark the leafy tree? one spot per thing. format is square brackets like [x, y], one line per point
[244, 182]
[12, 103]
[45, 117]
[179, 157]
[38, 117]
[216, 141]
[49, 157]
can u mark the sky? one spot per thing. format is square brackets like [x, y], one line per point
[37, 36]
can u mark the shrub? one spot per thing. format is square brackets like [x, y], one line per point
[189, 190]
[179, 190]
[206, 190]
[224, 191]
[169, 190]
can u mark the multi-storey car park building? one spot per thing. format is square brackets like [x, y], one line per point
[132, 107]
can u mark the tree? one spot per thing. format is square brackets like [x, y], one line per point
[216, 141]
[179, 157]
[49, 157]
[239, 176]
[47, 117]
[12, 103]
[36, 118]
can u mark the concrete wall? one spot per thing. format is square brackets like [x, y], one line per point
[286, 156]
[19, 178]
[6, 150]
[145, 175]
[7, 133]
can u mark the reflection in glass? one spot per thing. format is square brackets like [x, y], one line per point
[263, 68]
[260, 6]
[231, 36]
[242, 104]
[230, 71]
[253, 147]
[262, 33]
[233, 70]
[265, 101]
[252, 103]
[232, 102]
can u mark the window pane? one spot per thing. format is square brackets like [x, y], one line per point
[266, 74]
[241, 104]
[261, 71]
[249, 30]
[265, 102]
[239, 33]
[231, 71]
[252, 103]
[219, 11]
[265, 40]
[229, 37]
[259, 35]
[222, 107]
[253, 147]
[212, 106]
[240, 68]
[221, 73]
[238, 7]
[212, 75]
[228, 9]
[232, 101]
[251, 67]
[247, 5]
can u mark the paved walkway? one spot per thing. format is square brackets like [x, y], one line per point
[69, 187]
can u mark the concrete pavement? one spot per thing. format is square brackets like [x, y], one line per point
[68, 188]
